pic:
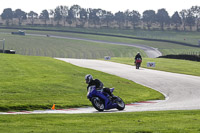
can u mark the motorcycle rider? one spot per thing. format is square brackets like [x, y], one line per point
[98, 84]
[138, 56]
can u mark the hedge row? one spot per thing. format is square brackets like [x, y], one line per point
[183, 56]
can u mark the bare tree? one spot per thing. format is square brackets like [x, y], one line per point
[196, 12]
[190, 19]
[176, 19]
[83, 16]
[7, 15]
[149, 17]
[44, 16]
[183, 15]
[20, 15]
[108, 18]
[120, 18]
[127, 17]
[134, 18]
[32, 16]
[162, 17]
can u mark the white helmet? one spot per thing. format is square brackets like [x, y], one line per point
[88, 78]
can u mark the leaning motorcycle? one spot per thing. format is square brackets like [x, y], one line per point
[101, 101]
[138, 62]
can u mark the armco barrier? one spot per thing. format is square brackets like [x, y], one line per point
[7, 51]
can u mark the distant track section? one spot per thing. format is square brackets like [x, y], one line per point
[103, 34]
[150, 51]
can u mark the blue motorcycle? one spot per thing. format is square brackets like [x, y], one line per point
[102, 101]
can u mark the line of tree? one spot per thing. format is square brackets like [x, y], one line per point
[98, 17]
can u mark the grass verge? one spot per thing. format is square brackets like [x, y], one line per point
[169, 65]
[135, 122]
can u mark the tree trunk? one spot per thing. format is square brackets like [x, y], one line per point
[133, 24]
[19, 21]
[184, 26]
[32, 21]
[162, 26]
[64, 22]
[198, 24]
[176, 27]
[107, 23]
[148, 25]
[7, 22]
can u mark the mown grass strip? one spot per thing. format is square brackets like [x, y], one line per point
[56, 47]
[47, 47]
[185, 37]
[169, 65]
[135, 122]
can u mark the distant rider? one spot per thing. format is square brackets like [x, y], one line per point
[138, 56]
[97, 83]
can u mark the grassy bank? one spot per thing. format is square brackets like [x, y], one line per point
[136, 122]
[180, 36]
[30, 82]
[44, 46]
[54, 47]
[169, 65]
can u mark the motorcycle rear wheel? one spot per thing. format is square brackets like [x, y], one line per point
[137, 65]
[98, 104]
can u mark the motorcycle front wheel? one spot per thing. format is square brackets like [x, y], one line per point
[120, 104]
[98, 103]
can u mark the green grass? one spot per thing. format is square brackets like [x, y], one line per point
[43, 46]
[169, 65]
[31, 82]
[53, 47]
[135, 122]
[181, 36]
[28, 82]
[164, 47]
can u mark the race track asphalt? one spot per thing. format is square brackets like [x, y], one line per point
[182, 92]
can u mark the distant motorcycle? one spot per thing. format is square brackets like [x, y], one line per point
[101, 101]
[138, 62]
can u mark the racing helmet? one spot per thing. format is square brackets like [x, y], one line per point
[88, 78]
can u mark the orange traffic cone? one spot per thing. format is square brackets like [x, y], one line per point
[53, 107]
